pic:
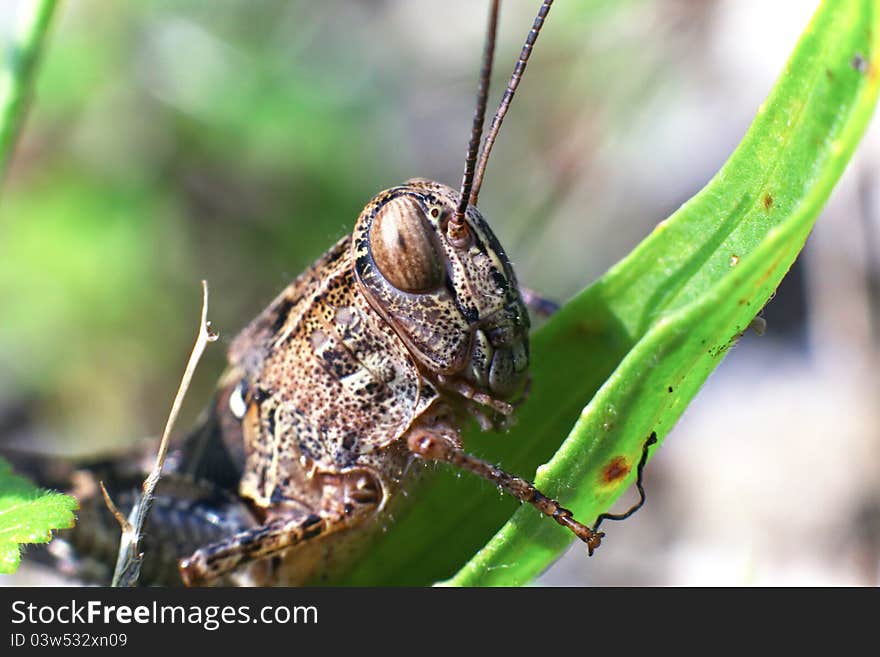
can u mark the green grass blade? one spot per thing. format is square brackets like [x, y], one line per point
[27, 514]
[659, 320]
[16, 78]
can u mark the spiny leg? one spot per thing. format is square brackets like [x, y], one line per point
[539, 305]
[437, 447]
[468, 391]
[279, 534]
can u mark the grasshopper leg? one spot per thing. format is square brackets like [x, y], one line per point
[350, 499]
[435, 446]
[277, 535]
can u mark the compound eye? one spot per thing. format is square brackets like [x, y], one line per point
[400, 241]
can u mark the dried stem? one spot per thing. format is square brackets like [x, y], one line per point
[129, 559]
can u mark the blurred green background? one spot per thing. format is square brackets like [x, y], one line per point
[235, 141]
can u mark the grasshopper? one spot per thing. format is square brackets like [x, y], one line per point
[363, 367]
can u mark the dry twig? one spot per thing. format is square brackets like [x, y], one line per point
[129, 559]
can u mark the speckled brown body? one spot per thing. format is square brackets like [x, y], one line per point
[365, 364]
[327, 384]
[332, 395]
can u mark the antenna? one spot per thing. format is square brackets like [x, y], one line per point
[455, 228]
[507, 98]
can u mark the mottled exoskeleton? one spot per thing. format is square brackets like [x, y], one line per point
[366, 364]
[369, 360]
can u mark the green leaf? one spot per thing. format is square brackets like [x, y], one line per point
[28, 515]
[641, 341]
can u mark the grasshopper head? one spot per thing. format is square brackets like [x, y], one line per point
[449, 291]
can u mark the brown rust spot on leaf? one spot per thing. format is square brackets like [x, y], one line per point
[767, 201]
[591, 327]
[616, 470]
